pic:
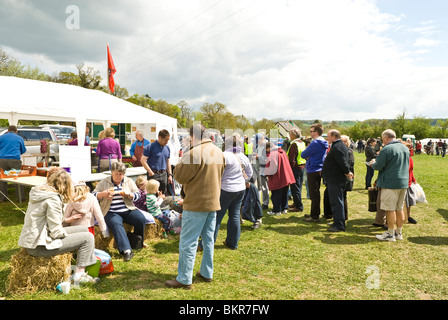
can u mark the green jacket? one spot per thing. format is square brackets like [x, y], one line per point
[393, 166]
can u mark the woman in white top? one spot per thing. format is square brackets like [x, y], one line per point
[237, 173]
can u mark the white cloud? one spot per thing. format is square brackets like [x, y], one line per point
[322, 59]
[424, 42]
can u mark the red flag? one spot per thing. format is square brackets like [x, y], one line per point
[110, 70]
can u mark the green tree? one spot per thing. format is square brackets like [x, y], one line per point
[400, 125]
[89, 77]
[67, 78]
[420, 127]
[213, 115]
[186, 111]
[9, 66]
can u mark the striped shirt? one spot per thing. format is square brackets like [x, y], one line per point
[153, 203]
[118, 205]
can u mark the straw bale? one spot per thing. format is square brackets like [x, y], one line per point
[31, 274]
[152, 231]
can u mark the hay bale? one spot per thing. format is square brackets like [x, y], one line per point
[152, 231]
[31, 274]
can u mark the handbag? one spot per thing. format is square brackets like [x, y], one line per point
[246, 177]
[419, 193]
[373, 195]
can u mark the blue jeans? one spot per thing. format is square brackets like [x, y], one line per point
[231, 201]
[336, 197]
[194, 225]
[115, 223]
[296, 188]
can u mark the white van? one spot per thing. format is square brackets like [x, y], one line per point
[38, 134]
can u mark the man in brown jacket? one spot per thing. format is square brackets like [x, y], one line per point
[199, 172]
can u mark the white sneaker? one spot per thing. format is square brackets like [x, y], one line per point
[398, 236]
[271, 213]
[257, 224]
[284, 211]
[83, 279]
[386, 236]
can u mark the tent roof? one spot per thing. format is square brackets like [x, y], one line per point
[39, 100]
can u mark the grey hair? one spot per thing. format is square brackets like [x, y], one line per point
[118, 166]
[295, 132]
[389, 133]
[335, 133]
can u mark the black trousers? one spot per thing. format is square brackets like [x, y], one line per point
[314, 180]
[279, 199]
[163, 180]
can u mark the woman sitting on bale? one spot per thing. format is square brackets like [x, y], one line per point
[43, 234]
[116, 195]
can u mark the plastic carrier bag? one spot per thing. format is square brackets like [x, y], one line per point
[106, 262]
[419, 193]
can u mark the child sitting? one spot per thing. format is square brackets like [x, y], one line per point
[154, 199]
[141, 202]
[83, 210]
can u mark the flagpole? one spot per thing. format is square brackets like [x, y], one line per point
[107, 67]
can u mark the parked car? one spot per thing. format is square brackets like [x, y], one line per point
[61, 131]
[38, 134]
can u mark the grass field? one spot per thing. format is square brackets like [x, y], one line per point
[287, 259]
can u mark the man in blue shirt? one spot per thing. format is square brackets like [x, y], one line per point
[12, 147]
[156, 161]
[315, 156]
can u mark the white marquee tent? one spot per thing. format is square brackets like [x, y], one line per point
[24, 99]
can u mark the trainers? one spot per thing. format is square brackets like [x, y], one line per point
[272, 213]
[285, 211]
[310, 219]
[84, 279]
[257, 224]
[386, 236]
[398, 236]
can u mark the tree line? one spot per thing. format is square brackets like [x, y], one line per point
[217, 115]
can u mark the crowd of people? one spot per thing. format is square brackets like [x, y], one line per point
[433, 147]
[215, 182]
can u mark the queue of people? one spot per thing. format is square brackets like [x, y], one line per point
[214, 182]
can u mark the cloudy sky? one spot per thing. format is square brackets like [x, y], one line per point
[297, 59]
